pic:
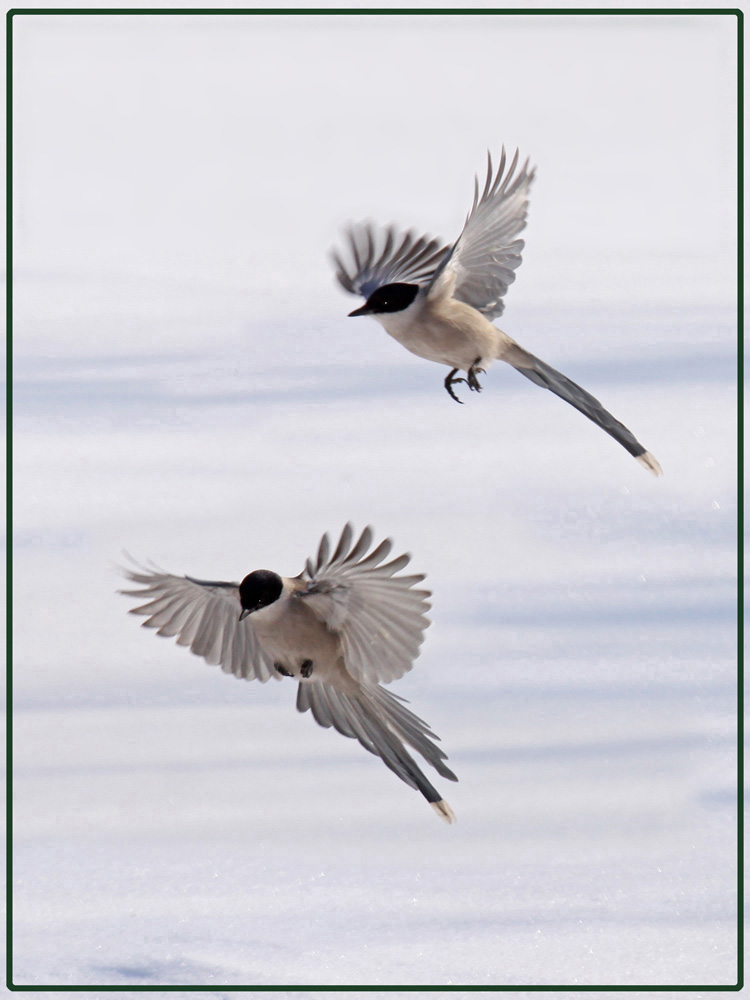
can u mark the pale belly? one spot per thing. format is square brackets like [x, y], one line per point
[301, 644]
[468, 336]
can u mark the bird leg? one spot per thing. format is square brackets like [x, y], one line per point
[306, 668]
[450, 381]
[282, 670]
[472, 381]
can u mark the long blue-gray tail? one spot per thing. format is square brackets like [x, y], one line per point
[547, 377]
[382, 725]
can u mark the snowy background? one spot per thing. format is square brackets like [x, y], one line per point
[189, 389]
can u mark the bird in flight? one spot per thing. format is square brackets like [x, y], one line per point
[438, 300]
[346, 625]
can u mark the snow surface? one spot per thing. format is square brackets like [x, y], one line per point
[189, 389]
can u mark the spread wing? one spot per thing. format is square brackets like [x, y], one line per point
[482, 262]
[203, 615]
[380, 256]
[380, 617]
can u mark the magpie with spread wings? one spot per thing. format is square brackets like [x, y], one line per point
[438, 300]
[347, 624]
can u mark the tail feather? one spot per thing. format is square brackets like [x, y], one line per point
[444, 811]
[393, 753]
[413, 731]
[544, 375]
[318, 699]
[375, 719]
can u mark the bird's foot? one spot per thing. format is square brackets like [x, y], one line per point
[282, 670]
[472, 380]
[450, 381]
[306, 668]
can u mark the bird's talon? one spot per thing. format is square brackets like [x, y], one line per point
[450, 381]
[472, 380]
[306, 668]
[282, 670]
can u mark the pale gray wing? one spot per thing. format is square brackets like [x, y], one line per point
[380, 617]
[549, 378]
[482, 262]
[382, 725]
[381, 255]
[203, 615]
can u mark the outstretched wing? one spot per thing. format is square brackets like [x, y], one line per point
[482, 262]
[380, 617]
[381, 255]
[203, 615]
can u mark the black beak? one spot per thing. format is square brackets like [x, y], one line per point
[244, 613]
[362, 311]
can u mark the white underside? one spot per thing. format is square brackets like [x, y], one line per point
[449, 333]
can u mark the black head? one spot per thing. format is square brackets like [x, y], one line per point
[388, 299]
[259, 589]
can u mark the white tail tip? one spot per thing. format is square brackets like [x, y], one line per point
[444, 811]
[648, 461]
